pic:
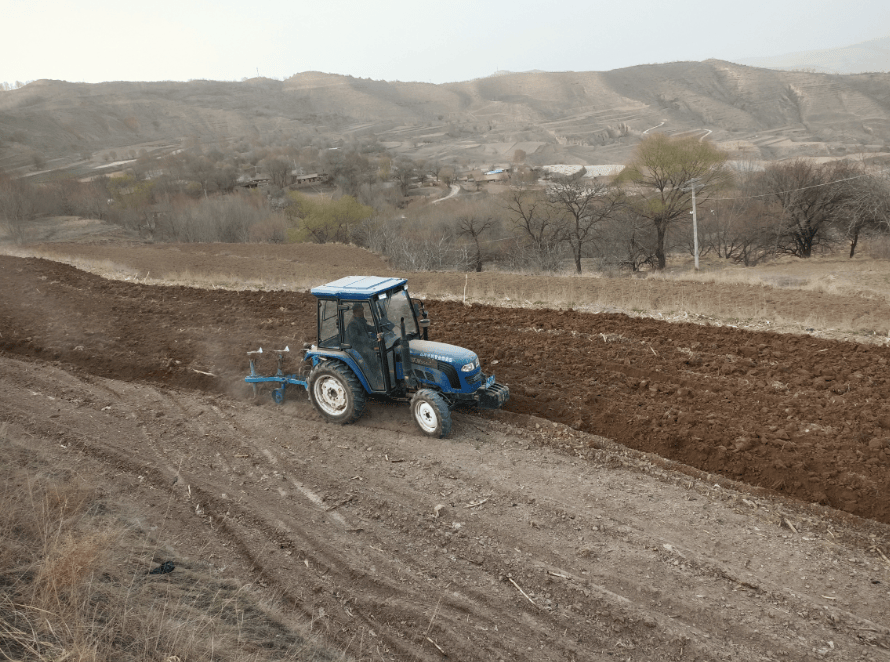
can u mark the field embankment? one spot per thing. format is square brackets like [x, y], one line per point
[832, 298]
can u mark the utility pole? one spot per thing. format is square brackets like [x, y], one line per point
[691, 186]
[694, 228]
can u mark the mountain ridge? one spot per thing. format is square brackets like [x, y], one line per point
[593, 117]
[866, 56]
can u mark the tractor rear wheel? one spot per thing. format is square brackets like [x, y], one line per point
[431, 413]
[336, 393]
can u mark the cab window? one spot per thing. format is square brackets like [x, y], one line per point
[328, 327]
[392, 307]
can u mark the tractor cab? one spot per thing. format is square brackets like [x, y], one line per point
[362, 317]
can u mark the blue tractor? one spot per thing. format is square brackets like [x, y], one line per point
[373, 340]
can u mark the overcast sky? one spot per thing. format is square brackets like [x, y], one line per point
[437, 42]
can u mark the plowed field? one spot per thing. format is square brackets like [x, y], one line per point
[529, 534]
[801, 416]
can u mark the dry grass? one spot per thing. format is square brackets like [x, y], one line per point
[186, 278]
[105, 268]
[830, 296]
[74, 584]
[852, 304]
[862, 276]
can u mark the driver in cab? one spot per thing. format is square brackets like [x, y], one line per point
[362, 336]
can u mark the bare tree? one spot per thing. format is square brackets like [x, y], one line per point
[224, 219]
[19, 203]
[202, 170]
[144, 165]
[584, 204]
[403, 171]
[472, 225]
[752, 233]
[38, 160]
[867, 207]
[278, 169]
[350, 170]
[539, 223]
[738, 226]
[379, 232]
[433, 252]
[93, 199]
[446, 174]
[628, 241]
[225, 178]
[808, 200]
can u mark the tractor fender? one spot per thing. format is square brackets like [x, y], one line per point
[338, 355]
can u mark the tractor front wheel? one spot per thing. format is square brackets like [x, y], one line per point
[431, 413]
[336, 393]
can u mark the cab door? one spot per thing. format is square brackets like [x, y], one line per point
[359, 333]
[390, 351]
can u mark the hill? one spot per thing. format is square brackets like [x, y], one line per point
[580, 117]
[872, 55]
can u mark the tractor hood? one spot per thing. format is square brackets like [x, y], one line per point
[427, 352]
[448, 368]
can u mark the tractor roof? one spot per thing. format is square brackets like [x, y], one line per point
[357, 287]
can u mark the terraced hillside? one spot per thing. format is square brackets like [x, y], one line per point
[588, 117]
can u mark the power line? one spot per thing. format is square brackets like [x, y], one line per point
[794, 190]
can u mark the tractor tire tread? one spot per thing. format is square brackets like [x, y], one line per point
[356, 407]
[443, 411]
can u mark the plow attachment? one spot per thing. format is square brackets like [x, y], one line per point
[278, 378]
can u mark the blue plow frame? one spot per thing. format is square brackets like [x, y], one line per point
[278, 378]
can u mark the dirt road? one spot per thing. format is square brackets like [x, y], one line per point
[489, 545]
[518, 538]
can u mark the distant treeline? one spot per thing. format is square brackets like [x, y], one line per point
[744, 213]
[5, 87]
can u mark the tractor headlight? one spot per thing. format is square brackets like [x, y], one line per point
[469, 367]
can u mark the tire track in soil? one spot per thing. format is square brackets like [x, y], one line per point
[373, 600]
[241, 526]
[801, 416]
[409, 584]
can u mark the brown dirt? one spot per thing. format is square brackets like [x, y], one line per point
[622, 555]
[801, 416]
[233, 264]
